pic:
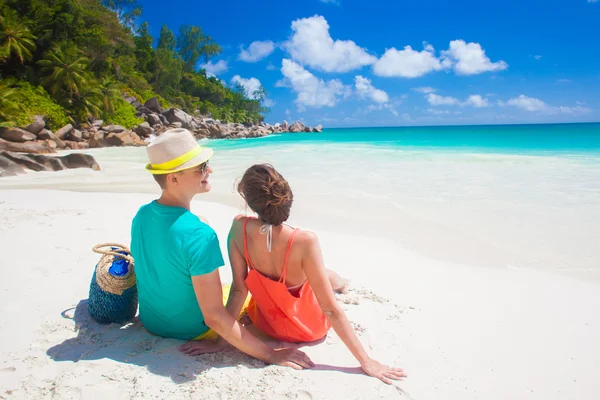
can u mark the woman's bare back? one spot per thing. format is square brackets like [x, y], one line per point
[270, 264]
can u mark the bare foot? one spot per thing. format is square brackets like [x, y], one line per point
[339, 284]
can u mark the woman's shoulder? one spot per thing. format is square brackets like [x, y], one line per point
[306, 238]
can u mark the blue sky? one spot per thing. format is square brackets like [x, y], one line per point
[387, 63]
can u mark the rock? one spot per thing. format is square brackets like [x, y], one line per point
[29, 147]
[318, 128]
[154, 105]
[296, 127]
[17, 135]
[137, 141]
[76, 135]
[130, 99]
[47, 135]
[215, 130]
[285, 126]
[8, 167]
[97, 123]
[163, 119]
[176, 115]
[119, 139]
[176, 125]
[153, 119]
[135, 104]
[97, 140]
[80, 160]
[37, 125]
[87, 134]
[202, 133]
[114, 128]
[64, 131]
[50, 143]
[25, 161]
[307, 129]
[14, 163]
[76, 145]
[144, 129]
[144, 110]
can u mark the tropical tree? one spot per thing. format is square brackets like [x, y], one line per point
[192, 44]
[64, 71]
[15, 37]
[9, 106]
[109, 93]
[88, 102]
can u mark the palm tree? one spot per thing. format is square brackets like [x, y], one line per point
[65, 72]
[110, 93]
[88, 102]
[15, 37]
[8, 105]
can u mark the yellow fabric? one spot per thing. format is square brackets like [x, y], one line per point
[179, 160]
[212, 335]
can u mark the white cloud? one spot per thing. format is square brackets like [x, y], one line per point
[257, 51]
[469, 59]
[271, 67]
[336, 2]
[380, 107]
[527, 103]
[476, 100]
[574, 110]
[592, 1]
[312, 45]
[407, 63]
[364, 88]
[424, 89]
[536, 105]
[435, 111]
[437, 100]
[216, 68]
[537, 57]
[250, 85]
[269, 103]
[311, 91]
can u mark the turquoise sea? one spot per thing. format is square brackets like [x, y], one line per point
[511, 196]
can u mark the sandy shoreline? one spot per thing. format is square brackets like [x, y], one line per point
[459, 332]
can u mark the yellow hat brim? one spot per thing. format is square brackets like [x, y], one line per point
[201, 158]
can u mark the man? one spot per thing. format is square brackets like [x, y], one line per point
[177, 257]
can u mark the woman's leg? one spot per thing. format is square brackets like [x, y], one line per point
[338, 283]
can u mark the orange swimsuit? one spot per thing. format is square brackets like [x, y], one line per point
[276, 311]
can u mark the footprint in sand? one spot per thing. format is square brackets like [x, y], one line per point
[304, 395]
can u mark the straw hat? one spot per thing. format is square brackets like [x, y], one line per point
[174, 151]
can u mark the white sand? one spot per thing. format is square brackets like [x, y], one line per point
[459, 332]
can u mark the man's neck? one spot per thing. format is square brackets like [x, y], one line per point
[174, 200]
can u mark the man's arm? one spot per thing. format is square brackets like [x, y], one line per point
[210, 298]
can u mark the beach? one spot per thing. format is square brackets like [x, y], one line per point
[481, 284]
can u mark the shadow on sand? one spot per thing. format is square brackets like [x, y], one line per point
[132, 344]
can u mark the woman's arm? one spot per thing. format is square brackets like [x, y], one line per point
[314, 268]
[239, 270]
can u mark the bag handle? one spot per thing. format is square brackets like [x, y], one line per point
[98, 250]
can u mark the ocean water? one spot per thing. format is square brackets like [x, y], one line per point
[518, 196]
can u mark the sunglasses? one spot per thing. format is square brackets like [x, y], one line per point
[204, 167]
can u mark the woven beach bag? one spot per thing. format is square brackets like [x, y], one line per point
[113, 296]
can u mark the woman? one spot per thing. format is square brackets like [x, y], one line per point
[282, 267]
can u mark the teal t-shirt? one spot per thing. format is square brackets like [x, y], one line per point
[169, 245]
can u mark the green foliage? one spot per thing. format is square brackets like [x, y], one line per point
[123, 115]
[86, 54]
[127, 10]
[29, 101]
[16, 40]
[192, 44]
